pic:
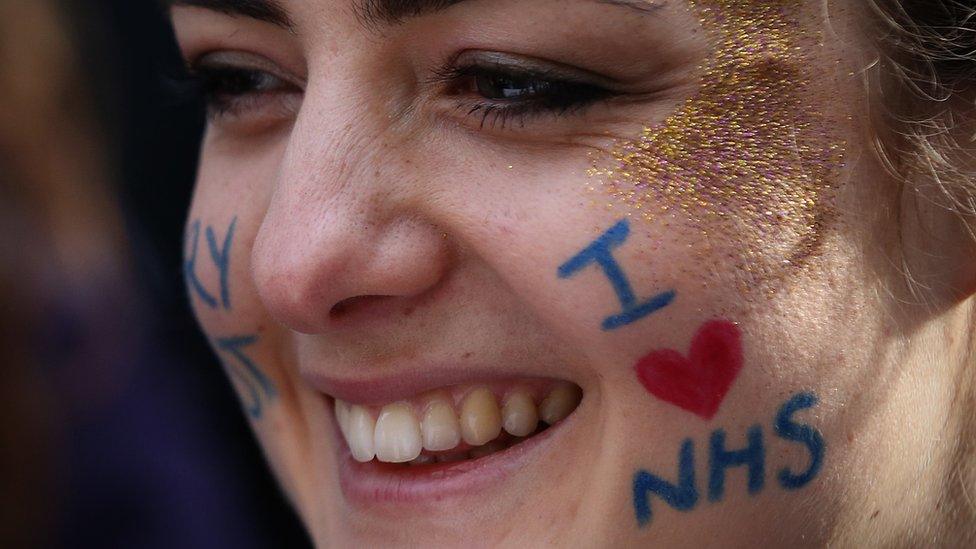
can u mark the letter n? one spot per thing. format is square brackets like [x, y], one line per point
[683, 496]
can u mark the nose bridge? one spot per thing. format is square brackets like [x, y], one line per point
[337, 226]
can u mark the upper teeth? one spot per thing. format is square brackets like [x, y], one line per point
[397, 435]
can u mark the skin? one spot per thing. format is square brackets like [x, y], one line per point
[366, 184]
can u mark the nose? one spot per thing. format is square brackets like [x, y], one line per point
[345, 224]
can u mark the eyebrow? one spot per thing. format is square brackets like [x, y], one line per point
[370, 12]
[269, 11]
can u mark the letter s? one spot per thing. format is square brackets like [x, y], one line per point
[788, 429]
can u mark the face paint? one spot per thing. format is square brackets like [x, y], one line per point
[748, 154]
[748, 451]
[600, 253]
[257, 390]
[220, 255]
[699, 382]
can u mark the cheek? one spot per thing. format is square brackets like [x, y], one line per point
[747, 170]
[230, 199]
[679, 349]
[216, 271]
[732, 205]
[219, 235]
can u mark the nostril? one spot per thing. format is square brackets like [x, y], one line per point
[350, 305]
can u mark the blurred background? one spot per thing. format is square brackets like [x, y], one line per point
[117, 425]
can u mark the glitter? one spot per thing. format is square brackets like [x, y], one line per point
[746, 153]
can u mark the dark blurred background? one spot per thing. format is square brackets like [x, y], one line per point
[117, 425]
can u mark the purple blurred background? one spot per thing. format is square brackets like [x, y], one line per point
[118, 426]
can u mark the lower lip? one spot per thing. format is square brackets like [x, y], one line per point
[374, 483]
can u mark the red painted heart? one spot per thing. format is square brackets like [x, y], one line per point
[700, 382]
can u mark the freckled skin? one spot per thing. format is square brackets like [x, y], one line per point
[371, 181]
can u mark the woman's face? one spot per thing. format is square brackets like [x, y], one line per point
[567, 272]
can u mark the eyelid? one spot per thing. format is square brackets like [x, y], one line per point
[573, 90]
[522, 65]
[245, 61]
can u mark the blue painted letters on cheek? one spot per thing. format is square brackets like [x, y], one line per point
[258, 386]
[753, 455]
[790, 430]
[600, 252]
[221, 258]
[220, 255]
[684, 495]
[190, 268]
[256, 382]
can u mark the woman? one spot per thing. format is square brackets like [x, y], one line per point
[594, 272]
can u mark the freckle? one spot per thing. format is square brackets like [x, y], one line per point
[468, 354]
[408, 311]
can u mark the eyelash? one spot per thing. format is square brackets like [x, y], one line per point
[547, 93]
[231, 91]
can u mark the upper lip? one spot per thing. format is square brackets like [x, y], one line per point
[405, 382]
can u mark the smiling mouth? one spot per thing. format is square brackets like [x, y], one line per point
[455, 424]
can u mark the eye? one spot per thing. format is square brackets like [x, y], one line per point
[513, 86]
[240, 87]
[500, 89]
[510, 87]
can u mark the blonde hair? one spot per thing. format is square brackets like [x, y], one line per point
[925, 78]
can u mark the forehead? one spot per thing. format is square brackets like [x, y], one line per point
[368, 11]
[304, 16]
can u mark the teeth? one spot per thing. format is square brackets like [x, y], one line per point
[359, 433]
[440, 426]
[481, 420]
[519, 414]
[342, 417]
[562, 400]
[397, 435]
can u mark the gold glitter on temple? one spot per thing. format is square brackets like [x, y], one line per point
[746, 153]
